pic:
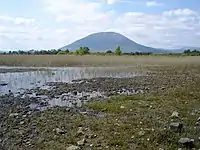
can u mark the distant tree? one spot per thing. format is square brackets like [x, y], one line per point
[83, 51]
[118, 51]
[67, 51]
[109, 52]
[187, 51]
[62, 53]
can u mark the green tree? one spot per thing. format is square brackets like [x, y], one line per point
[109, 52]
[118, 51]
[83, 51]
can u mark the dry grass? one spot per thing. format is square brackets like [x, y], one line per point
[91, 60]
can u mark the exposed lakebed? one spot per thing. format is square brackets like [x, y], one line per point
[42, 88]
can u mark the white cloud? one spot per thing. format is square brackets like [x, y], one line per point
[180, 12]
[16, 20]
[153, 3]
[110, 2]
[78, 18]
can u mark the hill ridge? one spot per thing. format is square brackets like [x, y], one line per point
[103, 41]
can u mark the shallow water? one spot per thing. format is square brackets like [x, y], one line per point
[21, 81]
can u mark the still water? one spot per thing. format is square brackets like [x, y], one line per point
[21, 81]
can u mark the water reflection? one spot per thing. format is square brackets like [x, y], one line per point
[20, 81]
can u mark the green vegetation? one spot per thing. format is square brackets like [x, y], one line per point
[82, 51]
[192, 53]
[86, 51]
[118, 51]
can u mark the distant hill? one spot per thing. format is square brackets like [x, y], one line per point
[103, 41]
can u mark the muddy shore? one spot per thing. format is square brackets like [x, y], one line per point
[24, 116]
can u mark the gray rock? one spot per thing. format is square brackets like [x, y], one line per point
[175, 114]
[198, 121]
[21, 123]
[186, 142]
[73, 147]
[81, 142]
[176, 126]
[80, 131]
[13, 114]
[59, 131]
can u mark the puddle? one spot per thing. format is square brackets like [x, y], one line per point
[20, 81]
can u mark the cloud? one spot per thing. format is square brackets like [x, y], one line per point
[110, 2]
[153, 3]
[16, 20]
[180, 12]
[75, 19]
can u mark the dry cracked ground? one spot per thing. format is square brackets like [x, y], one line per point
[166, 117]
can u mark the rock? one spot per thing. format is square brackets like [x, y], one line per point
[73, 147]
[80, 131]
[122, 107]
[59, 131]
[176, 127]
[21, 123]
[186, 142]
[13, 115]
[74, 92]
[175, 114]
[91, 136]
[198, 121]
[81, 142]
[141, 133]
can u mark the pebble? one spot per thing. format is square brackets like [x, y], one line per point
[81, 142]
[80, 131]
[176, 126]
[13, 114]
[59, 131]
[122, 107]
[141, 133]
[73, 147]
[175, 114]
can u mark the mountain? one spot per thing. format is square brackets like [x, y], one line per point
[103, 41]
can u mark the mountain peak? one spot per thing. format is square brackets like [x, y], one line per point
[103, 41]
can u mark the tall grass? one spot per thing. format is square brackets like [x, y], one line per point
[91, 60]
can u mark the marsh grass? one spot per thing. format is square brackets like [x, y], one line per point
[91, 60]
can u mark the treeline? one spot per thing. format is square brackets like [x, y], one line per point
[80, 51]
[86, 51]
[192, 52]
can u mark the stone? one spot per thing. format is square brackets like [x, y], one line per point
[81, 142]
[198, 121]
[176, 126]
[186, 142]
[91, 136]
[13, 114]
[59, 131]
[21, 123]
[80, 131]
[175, 114]
[122, 107]
[73, 147]
[141, 133]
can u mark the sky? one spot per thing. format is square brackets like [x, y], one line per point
[49, 24]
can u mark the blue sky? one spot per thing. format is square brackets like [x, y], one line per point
[47, 24]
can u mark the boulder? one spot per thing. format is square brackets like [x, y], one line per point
[176, 126]
[186, 142]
